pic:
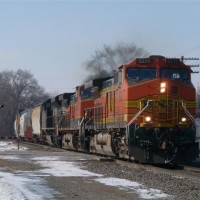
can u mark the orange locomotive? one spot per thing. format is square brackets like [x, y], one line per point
[145, 112]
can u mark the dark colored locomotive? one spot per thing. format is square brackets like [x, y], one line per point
[145, 112]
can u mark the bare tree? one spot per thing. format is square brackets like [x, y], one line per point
[104, 61]
[18, 91]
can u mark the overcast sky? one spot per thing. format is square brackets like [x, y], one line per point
[53, 39]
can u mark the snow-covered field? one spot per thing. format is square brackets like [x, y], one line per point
[9, 146]
[29, 185]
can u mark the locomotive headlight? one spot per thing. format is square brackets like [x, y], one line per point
[162, 87]
[183, 119]
[147, 119]
[162, 90]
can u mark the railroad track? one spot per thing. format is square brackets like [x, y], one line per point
[193, 168]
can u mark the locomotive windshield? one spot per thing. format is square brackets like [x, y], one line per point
[141, 73]
[182, 74]
[86, 93]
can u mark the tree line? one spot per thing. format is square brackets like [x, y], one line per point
[19, 90]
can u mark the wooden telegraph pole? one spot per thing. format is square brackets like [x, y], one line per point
[17, 128]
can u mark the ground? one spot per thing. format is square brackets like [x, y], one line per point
[40, 172]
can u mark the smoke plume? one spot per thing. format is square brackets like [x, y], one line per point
[104, 61]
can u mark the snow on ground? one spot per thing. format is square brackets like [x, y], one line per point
[10, 157]
[51, 158]
[64, 168]
[15, 187]
[144, 192]
[29, 185]
[10, 146]
[179, 177]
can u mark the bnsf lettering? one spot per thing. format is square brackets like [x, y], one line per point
[165, 104]
[161, 104]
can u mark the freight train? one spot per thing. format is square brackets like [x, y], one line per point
[144, 112]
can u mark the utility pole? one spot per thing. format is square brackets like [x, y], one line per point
[17, 127]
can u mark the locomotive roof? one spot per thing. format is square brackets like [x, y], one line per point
[61, 97]
[25, 111]
[96, 82]
[108, 83]
[46, 103]
[157, 61]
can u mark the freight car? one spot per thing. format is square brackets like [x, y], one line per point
[145, 112]
[25, 130]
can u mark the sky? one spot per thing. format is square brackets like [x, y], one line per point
[53, 39]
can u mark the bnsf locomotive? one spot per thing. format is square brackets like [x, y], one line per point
[145, 112]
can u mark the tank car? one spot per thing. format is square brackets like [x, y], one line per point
[36, 123]
[25, 123]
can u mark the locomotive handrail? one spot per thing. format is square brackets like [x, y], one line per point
[95, 115]
[135, 117]
[82, 120]
[193, 120]
[57, 125]
[189, 115]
